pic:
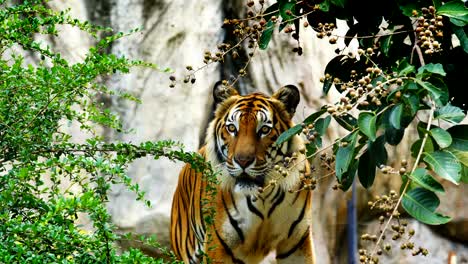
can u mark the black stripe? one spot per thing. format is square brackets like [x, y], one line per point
[252, 208]
[233, 221]
[227, 249]
[299, 218]
[276, 202]
[293, 249]
[271, 191]
[278, 192]
[233, 202]
[297, 196]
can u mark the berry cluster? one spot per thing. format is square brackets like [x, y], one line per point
[429, 30]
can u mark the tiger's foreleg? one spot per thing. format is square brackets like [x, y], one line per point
[302, 252]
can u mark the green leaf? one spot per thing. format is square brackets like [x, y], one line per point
[444, 164]
[441, 137]
[457, 12]
[461, 35]
[449, 113]
[366, 169]
[421, 204]
[366, 122]
[339, 3]
[404, 68]
[311, 118]
[464, 174]
[421, 177]
[440, 96]
[288, 134]
[284, 7]
[459, 135]
[346, 121]
[344, 155]
[395, 116]
[428, 146]
[462, 156]
[322, 124]
[348, 177]
[266, 35]
[430, 68]
[459, 146]
[325, 5]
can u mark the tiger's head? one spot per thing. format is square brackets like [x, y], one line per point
[240, 139]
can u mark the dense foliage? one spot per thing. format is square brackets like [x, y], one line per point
[408, 72]
[49, 184]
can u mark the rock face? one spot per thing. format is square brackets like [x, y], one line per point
[174, 34]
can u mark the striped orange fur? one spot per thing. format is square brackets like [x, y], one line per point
[259, 209]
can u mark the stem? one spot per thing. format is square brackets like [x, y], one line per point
[415, 165]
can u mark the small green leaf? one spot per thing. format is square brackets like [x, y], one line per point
[366, 122]
[449, 113]
[344, 155]
[441, 137]
[457, 12]
[266, 35]
[288, 134]
[421, 204]
[395, 116]
[421, 177]
[444, 164]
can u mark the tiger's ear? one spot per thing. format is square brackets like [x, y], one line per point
[289, 96]
[222, 92]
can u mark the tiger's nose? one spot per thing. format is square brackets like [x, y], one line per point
[244, 160]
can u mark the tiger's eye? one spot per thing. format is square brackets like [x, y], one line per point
[265, 130]
[231, 128]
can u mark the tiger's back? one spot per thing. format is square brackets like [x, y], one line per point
[260, 207]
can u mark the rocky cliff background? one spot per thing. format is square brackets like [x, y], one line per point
[175, 33]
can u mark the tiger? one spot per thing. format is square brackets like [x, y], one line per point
[260, 208]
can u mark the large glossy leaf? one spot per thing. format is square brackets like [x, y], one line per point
[461, 35]
[379, 153]
[346, 121]
[405, 68]
[459, 146]
[423, 179]
[366, 169]
[395, 116]
[348, 177]
[366, 122]
[288, 134]
[428, 147]
[439, 95]
[441, 137]
[421, 204]
[322, 124]
[311, 118]
[457, 12]
[449, 113]
[429, 69]
[345, 154]
[444, 164]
